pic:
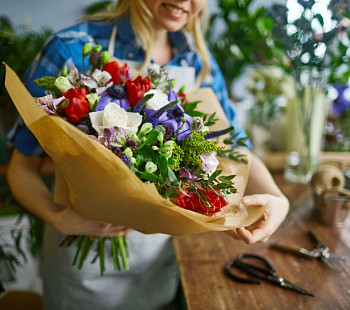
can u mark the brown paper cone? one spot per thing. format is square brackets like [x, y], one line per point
[96, 183]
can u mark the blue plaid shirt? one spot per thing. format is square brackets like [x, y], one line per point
[65, 47]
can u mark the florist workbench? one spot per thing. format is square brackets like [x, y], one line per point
[201, 259]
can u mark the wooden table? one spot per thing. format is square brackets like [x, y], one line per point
[201, 259]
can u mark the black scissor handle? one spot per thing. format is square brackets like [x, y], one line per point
[258, 274]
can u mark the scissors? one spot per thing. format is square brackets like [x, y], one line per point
[261, 270]
[321, 251]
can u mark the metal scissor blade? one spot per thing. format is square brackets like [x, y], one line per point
[288, 285]
[326, 261]
[337, 257]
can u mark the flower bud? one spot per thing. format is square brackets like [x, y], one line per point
[63, 84]
[92, 98]
[168, 153]
[105, 57]
[97, 48]
[146, 128]
[151, 167]
[197, 124]
[134, 136]
[87, 49]
[64, 71]
[169, 144]
[160, 137]
[122, 140]
[128, 152]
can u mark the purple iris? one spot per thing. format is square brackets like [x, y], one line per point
[173, 119]
[116, 93]
[172, 95]
[341, 104]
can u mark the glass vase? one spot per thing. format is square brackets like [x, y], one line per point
[306, 116]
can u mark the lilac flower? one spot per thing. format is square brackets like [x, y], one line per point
[73, 76]
[184, 173]
[210, 162]
[49, 104]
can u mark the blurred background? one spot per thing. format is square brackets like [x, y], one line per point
[286, 65]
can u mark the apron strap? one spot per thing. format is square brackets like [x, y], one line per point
[111, 43]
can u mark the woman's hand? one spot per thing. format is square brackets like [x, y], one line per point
[260, 231]
[70, 222]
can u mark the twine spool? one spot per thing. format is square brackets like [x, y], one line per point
[327, 178]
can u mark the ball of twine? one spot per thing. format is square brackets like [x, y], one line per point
[327, 178]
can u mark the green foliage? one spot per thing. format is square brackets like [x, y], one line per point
[18, 47]
[246, 39]
[315, 40]
[197, 145]
[99, 6]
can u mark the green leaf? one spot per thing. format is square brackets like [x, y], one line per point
[162, 163]
[151, 177]
[214, 175]
[172, 177]
[182, 191]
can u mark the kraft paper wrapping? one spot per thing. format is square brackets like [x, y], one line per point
[96, 183]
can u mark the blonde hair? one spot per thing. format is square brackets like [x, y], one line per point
[142, 22]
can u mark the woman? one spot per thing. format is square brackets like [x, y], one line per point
[142, 31]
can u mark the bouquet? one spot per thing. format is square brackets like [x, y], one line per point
[141, 136]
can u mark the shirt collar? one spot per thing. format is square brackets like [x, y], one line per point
[180, 42]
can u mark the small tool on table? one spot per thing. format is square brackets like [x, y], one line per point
[261, 270]
[321, 251]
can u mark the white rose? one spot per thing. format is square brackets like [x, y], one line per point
[115, 116]
[63, 84]
[158, 100]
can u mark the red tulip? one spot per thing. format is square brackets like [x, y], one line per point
[78, 106]
[137, 88]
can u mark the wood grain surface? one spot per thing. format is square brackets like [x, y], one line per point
[201, 259]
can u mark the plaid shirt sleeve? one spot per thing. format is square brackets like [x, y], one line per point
[48, 63]
[56, 53]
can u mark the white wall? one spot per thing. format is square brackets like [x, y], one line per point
[56, 14]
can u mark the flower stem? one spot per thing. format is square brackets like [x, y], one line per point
[101, 250]
[85, 247]
[114, 249]
[121, 243]
[80, 241]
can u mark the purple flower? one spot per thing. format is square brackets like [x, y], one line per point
[106, 98]
[341, 104]
[210, 162]
[184, 173]
[117, 91]
[172, 95]
[173, 119]
[126, 160]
